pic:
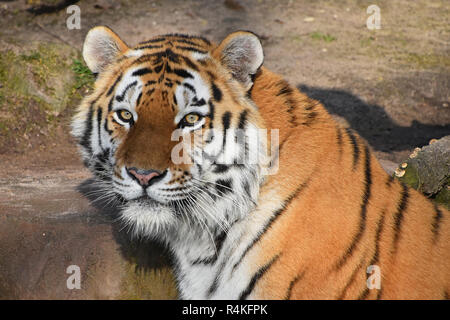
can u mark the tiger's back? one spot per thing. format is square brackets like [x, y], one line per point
[347, 213]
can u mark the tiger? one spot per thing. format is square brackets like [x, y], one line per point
[316, 217]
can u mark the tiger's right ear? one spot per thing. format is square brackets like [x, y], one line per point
[241, 52]
[101, 47]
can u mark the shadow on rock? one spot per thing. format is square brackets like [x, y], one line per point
[373, 123]
[145, 254]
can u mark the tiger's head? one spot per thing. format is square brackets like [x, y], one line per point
[169, 128]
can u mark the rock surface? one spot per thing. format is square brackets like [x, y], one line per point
[47, 225]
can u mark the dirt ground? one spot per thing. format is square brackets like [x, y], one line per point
[391, 85]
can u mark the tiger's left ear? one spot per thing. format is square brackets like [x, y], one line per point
[241, 52]
[101, 47]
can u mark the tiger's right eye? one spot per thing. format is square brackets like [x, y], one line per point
[125, 116]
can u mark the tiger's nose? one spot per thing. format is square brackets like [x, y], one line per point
[144, 177]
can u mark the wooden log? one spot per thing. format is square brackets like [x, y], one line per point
[428, 170]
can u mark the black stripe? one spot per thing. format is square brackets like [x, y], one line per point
[120, 184]
[220, 168]
[398, 216]
[258, 275]
[138, 100]
[186, 41]
[173, 36]
[215, 282]
[174, 99]
[191, 49]
[217, 93]
[99, 168]
[190, 87]
[111, 89]
[110, 104]
[153, 40]
[379, 230]
[312, 114]
[436, 222]
[86, 139]
[354, 143]
[351, 279]
[226, 119]
[183, 73]
[198, 103]
[286, 92]
[122, 96]
[363, 294]
[292, 106]
[220, 240]
[211, 75]
[312, 105]
[172, 56]
[194, 38]
[155, 58]
[99, 124]
[292, 284]
[271, 220]
[190, 64]
[207, 260]
[389, 181]
[158, 69]
[339, 140]
[285, 88]
[310, 117]
[363, 211]
[150, 82]
[141, 72]
[211, 111]
[376, 255]
[242, 119]
[379, 293]
[247, 189]
[149, 47]
[199, 168]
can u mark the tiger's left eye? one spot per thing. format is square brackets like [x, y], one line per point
[191, 118]
[125, 115]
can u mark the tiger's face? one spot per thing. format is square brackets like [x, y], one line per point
[169, 129]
